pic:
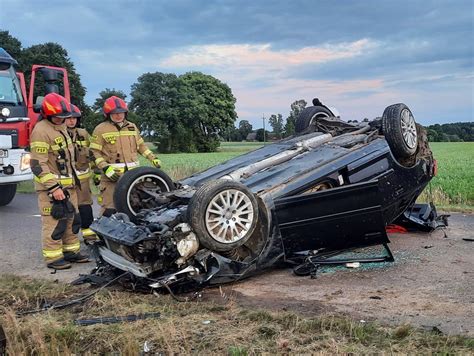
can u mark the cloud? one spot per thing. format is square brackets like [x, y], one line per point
[263, 56]
[359, 56]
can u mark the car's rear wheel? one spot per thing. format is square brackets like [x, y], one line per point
[399, 129]
[223, 214]
[309, 116]
[137, 189]
[7, 193]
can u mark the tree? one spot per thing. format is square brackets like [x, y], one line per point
[206, 108]
[232, 134]
[154, 100]
[296, 108]
[262, 135]
[245, 128]
[276, 122]
[11, 44]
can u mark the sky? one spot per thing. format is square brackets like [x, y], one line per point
[357, 56]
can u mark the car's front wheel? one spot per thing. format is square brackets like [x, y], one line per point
[223, 214]
[137, 189]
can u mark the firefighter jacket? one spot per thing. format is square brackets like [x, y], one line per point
[84, 157]
[118, 146]
[52, 157]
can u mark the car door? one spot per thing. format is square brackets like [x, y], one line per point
[335, 219]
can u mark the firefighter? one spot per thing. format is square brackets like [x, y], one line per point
[80, 140]
[115, 144]
[52, 163]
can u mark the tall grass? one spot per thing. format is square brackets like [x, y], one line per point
[454, 183]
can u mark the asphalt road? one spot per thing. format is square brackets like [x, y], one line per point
[20, 242]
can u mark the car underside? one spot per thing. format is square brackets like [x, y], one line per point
[333, 187]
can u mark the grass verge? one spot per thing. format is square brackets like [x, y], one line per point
[193, 327]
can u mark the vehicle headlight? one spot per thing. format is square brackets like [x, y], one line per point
[25, 161]
[6, 112]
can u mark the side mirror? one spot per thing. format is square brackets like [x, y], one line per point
[37, 105]
[50, 75]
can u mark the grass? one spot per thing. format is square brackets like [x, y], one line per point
[194, 327]
[452, 189]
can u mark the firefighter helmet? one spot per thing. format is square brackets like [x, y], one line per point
[55, 105]
[75, 111]
[114, 105]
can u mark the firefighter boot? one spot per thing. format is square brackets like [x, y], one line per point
[59, 264]
[76, 257]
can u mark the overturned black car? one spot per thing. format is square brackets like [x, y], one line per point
[332, 187]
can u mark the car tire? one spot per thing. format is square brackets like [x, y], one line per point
[223, 214]
[7, 193]
[307, 117]
[399, 129]
[129, 194]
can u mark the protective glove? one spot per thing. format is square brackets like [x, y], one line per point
[111, 174]
[156, 163]
[96, 177]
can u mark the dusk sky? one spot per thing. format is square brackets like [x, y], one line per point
[357, 56]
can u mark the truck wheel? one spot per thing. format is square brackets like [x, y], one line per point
[137, 189]
[309, 115]
[399, 129]
[223, 214]
[7, 193]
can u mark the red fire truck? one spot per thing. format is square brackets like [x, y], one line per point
[19, 112]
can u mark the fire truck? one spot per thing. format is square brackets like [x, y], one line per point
[19, 113]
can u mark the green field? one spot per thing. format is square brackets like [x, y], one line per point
[180, 165]
[452, 188]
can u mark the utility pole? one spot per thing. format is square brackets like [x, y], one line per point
[263, 119]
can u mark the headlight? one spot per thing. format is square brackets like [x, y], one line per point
[6, 112]
[25, 161]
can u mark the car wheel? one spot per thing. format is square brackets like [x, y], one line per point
[309, 115]
[223, 214]
[137, 189]
[7, 193]
[399, 129]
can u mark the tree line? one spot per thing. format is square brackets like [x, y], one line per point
[280, 128]
[454, 132]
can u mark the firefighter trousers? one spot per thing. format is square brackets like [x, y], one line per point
[58, 236]
[106, 198]
[84, 200]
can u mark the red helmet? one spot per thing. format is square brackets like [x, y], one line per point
[114, 105]
[75, 111]
[55, 105]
